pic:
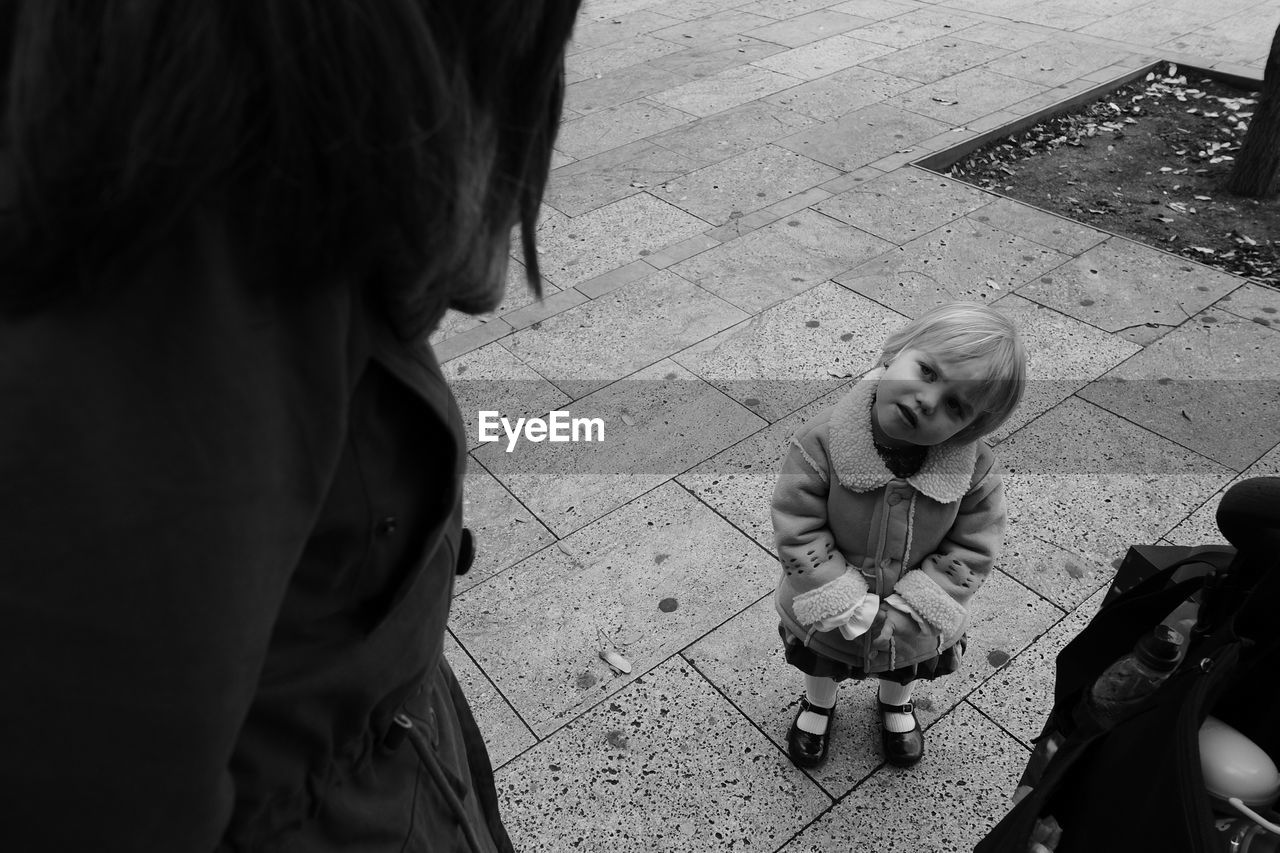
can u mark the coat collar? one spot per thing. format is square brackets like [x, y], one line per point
[945, 475]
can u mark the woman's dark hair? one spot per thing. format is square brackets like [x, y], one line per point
[398, 140]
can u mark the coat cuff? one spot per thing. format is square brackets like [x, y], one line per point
[931, 602]
[830, 599]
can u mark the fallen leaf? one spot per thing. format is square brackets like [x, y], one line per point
[1185, 415]
[628, 420]
[1204, 250]
[947, 101]
[615, 660]
[991, 282]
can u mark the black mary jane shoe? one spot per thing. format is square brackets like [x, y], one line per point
[805, 748]
[902, 749]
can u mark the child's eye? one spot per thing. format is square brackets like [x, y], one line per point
[926, 371]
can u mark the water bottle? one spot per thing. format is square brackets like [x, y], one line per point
[1132, 678]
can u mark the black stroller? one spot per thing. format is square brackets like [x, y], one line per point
[1138, 786]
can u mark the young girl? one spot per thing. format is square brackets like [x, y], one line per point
[888, 515]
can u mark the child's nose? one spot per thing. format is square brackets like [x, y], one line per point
[927, 399]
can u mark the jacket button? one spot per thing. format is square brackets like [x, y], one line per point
[895, 499]
[388, 525]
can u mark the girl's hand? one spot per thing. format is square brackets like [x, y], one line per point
[895, 623]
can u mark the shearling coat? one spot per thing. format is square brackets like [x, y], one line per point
[850, 535]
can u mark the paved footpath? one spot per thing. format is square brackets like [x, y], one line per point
[733, 226]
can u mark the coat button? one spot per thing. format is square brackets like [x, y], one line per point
[895, 499]
[388, 525]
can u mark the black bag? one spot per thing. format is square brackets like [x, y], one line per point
[1138, 786]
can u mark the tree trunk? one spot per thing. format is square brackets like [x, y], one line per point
[1259, 156]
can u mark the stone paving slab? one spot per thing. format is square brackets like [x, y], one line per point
[810, 27]
[611, 128]
[1005, 617]
[1063, 356]
[1020, 696]
[588, 64]
[518, 295]
[1253, 302]
[780, 260]
[738, 482]
[656, 424]
[1062, 576]
[623, 777]
[491, 378]
[904, 204]
[745, 183]
[1092, 482]
[605, 339]
[878, 9]
[786, 356]
[1060, 16]
[504, 530]
[945, 803]
[609, 237]
[696, 63]
[620, 26]
[506, 735]
[838, 94]
[1006, 34]
[730, 133]
[933, 60]
[1039, 226]
[820, 58]
[863, 136]
[730, 88]
[613, 175]
[1199, 385]
[1139, 26]
[1122, 286]
[618, 87]
[916, 27]
[710, 29]
[966, 96]
[1201, 527]
[639, 577]
[963, 260]
[1055, 61]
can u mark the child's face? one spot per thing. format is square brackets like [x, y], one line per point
[923, 401]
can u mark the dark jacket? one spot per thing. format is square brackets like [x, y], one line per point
[230, 522]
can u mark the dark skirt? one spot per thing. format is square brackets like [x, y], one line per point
[810, 662]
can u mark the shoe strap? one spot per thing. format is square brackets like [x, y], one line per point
[908, 708]
[806, 705]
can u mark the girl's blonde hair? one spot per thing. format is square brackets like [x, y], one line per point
[966, 331]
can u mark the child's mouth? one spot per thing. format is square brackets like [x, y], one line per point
[907, 415]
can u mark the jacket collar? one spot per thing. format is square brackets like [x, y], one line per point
[944, 476]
